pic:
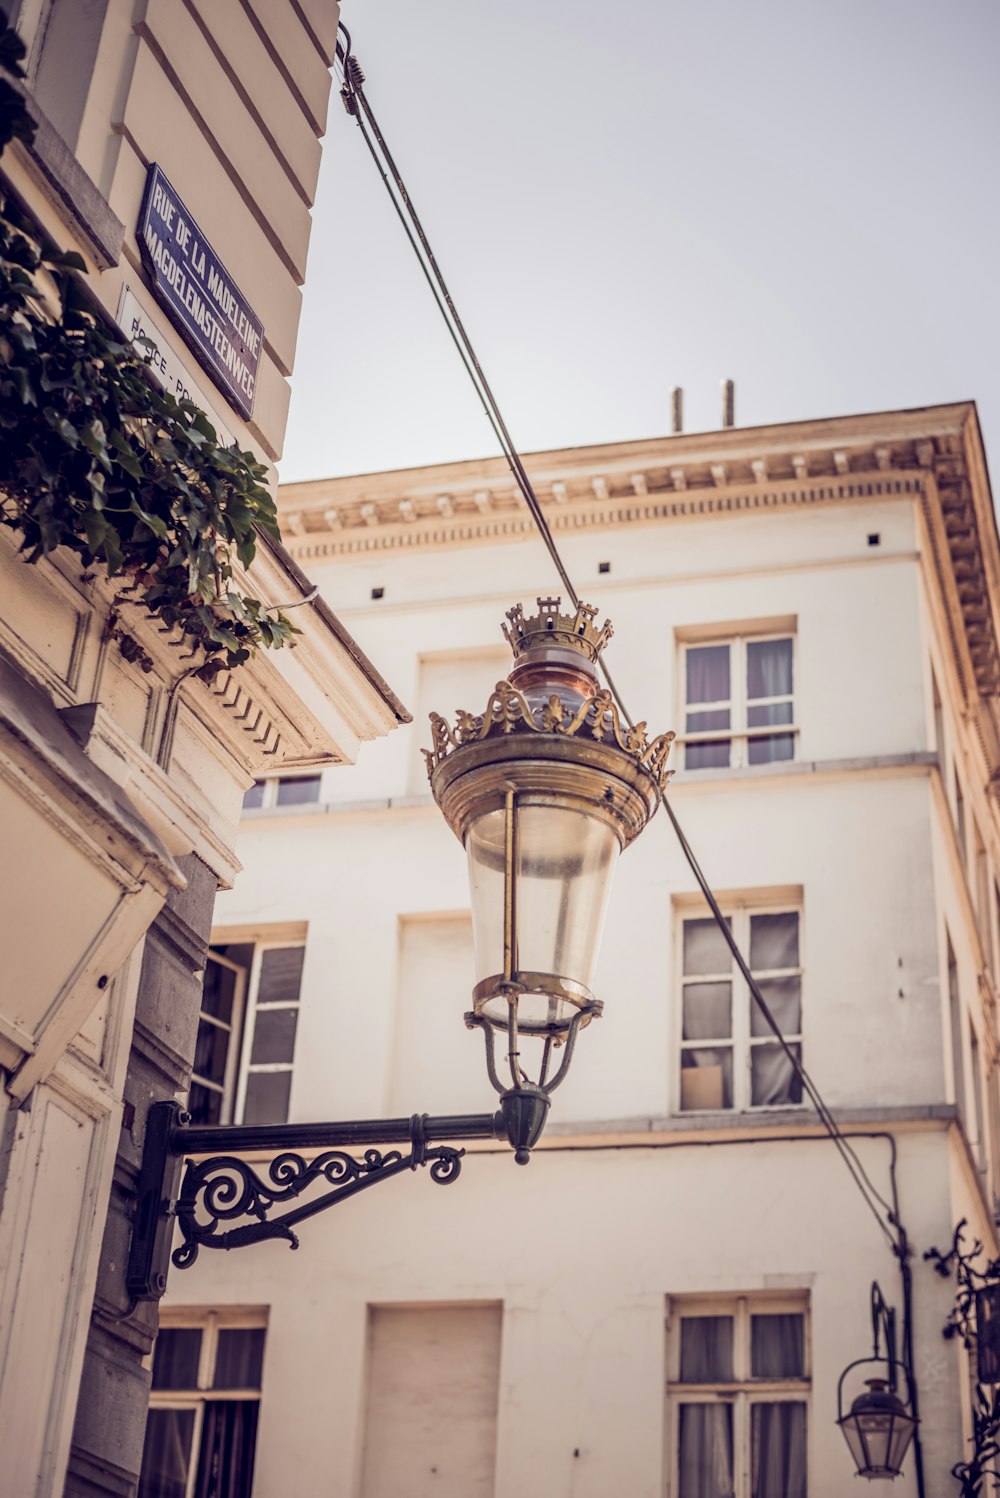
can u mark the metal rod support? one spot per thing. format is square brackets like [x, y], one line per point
[217, 1139]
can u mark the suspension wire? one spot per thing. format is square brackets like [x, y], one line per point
[356, 104]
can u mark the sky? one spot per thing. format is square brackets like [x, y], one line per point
[800, 195]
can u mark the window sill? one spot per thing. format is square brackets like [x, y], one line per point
[63, 179]
[919, 759]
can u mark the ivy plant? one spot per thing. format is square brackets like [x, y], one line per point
[95, 458]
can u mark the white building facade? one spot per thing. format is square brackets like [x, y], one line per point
[662, 1303]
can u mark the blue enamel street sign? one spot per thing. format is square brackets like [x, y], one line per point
[198, 292]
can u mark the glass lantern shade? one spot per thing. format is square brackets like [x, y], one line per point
[545, 936]
[878, 1430]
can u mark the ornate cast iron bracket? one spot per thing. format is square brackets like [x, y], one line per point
[223, 1202]
[975, 1318]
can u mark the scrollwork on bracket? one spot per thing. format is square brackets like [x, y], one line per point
[508, 711]
[224, 1189]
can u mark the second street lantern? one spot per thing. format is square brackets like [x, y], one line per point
[544, 788]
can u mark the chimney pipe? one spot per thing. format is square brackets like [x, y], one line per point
[676, 410]
[728, 403]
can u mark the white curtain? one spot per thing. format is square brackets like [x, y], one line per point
[708, 674]
[778, 1450]
[706, 1349]
[705, 1465]
[769, 668]
[777, 1345]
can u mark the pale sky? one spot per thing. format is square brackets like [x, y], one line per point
[797, 194]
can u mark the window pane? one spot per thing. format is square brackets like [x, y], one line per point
[706, 1349]
[218, 990]
[704, 722]
[708, 1011]
[710, 756]
[783, 997]
[778, 1450]
[228, 1442]
[705, 1451]
[254, 796]
[296, 792]
[204, 1105]
[175, 1359]
[708, 673]
[210, 1052]
[777, 1346]
[768, 713]
[705, 948]
[770, 749]
[769, 668]
[267, 1097]
[274, 1035]
[773, 1081]
[166, 1455]
[706, 1079]
[280, 975]
[240, 1357]
[774, 941]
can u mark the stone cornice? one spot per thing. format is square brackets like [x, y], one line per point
[934, 453]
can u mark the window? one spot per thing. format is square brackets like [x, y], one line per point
[938, 721]
[201, 1430]
[736, 692]
[960, 822]
[737, 1396]
[983, 884]
[729, 1057]
[246, 1033]
[957, 1032]
[283, 790]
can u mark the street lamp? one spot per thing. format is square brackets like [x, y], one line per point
[878, 1428]
[544, 789]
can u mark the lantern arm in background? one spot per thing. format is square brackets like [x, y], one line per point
[975, 1318]
[879, 1426]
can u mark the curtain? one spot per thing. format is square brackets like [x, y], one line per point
[166, 1454]
[772, 1078]
[769, 668]
[708, 674]
[778, 1450]
[228, 1443]
[706, 1349]
[240, 1358]
[705, 1458]
[777, 1346]
[774, 941]
[175, 1359]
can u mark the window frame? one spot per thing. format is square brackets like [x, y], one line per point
[741, 1042]
[239, 1067]
[210, 1323]
[272, 789]
[744, 1391]
[739, 735]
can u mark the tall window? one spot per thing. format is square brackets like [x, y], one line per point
[983, 891]
[960, 823]
[957, 1020]
[246, 1033]
[201, 1431]
[738, 1395]
[728, 1054]
[737, 693]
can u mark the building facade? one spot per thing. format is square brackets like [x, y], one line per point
[663, 1302]
[121, 771]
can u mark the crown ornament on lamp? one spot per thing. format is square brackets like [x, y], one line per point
[544, 788]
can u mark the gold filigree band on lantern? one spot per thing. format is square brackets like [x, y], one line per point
[508, 711]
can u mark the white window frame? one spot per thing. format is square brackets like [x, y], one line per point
[738, 734]
[742, 1041]
[271, 783]
[246, 1067]
[239, 1067]
[744, 1391]
[237, 1033]
[210, 1324]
